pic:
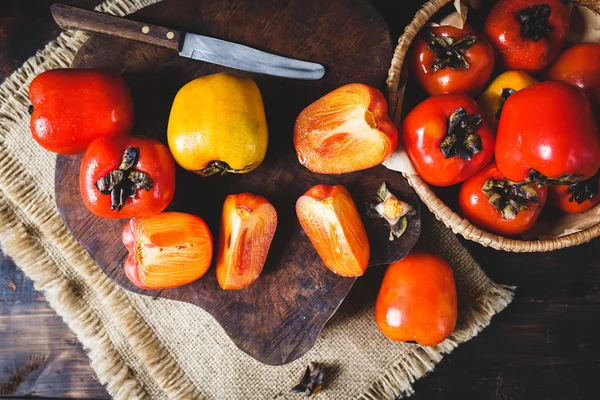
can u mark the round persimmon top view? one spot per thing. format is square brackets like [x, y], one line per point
[447, 139]
[527, 34]
[126, 177]
[497, 205]
[445, 59]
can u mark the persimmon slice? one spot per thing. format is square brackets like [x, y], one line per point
[331, 221]
[248, 224]
[346, 130]
[167, 250]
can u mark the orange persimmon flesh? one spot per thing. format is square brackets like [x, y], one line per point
[331, 221]
[248, 224]
[346, 130]
[167, 250]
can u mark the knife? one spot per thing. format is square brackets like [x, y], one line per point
[188, 45]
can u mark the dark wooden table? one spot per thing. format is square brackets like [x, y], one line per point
[545, 345]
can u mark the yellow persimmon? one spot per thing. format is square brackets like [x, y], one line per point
[218, 125]
[505, 84]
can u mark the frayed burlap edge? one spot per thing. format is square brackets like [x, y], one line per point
[63, 296]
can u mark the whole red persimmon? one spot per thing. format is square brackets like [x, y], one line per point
[492, 203]
[579, 65]
[447, 139]
[548, 132]
[577, 197]
[445, 59]
[417, 300]
[71, 107]
[527, 34]
[127, 177]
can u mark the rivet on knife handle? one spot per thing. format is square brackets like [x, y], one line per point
[68, 17]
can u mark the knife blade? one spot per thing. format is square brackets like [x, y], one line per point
[190, 45]
[245, 58]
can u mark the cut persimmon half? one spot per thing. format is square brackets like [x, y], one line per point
[346, 130]
[248, 224]
[331, 221]
[166, 250]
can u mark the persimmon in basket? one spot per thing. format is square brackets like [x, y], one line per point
[498, 205]
[527, 34]
[331, 221]
[248, 224]
[547, 133]
[576, 197]
[346, 130]
[447, 139]
[445, 59]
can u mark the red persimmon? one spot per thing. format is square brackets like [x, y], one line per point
[496, 205]
[577, 197]
[72, 107]
[447, 139]
[579, 65]
[527, 34]
[548, 131]
[417, 300]
[446, 59]
[127, 177]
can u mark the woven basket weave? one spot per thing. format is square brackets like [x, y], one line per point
[395, 83]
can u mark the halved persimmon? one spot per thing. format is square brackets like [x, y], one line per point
[166, 250]
[346, 130]
[248, 224]
[331, 221]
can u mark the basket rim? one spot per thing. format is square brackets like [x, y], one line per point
[442, 212]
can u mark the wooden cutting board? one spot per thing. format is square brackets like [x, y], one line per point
[278, 318]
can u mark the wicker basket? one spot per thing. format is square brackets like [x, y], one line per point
[458, 224]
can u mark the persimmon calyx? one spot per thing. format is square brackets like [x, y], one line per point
[124, 181]
[395, 212]
[534, 21]
[540, 179]
[510, 198]
[461, 139]
[449, 53]
[311, 382]
[584, 190]
[506, 93]
[222, 168]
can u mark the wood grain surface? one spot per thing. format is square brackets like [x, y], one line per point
[277, 318]
[543, 346]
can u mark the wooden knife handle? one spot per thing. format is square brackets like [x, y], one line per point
[68, 17]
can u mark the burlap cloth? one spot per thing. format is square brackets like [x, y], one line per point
[154, 348]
